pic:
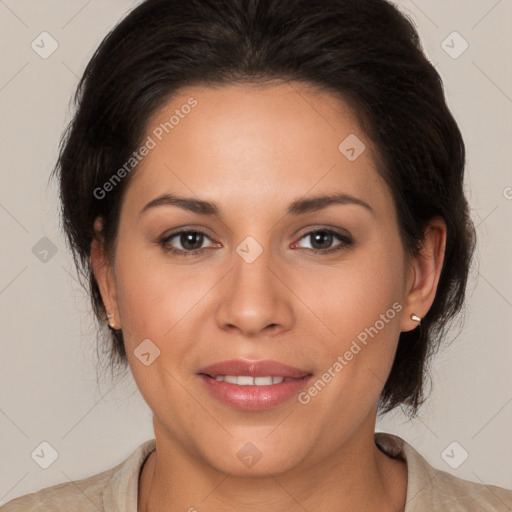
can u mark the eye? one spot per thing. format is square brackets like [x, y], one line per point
[323, 238]
[191, 241]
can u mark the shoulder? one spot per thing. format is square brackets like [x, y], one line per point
[113, 489]
[429, 488]
[84, 495]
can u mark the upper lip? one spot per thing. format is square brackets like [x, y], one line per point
[263, 368]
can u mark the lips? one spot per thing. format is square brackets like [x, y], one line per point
[253, 385]
[239, 367]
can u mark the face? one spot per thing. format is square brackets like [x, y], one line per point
[323, 289]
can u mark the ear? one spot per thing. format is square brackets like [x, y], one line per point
[424, 273]
[103, 272]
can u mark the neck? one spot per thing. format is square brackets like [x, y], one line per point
[356, 476]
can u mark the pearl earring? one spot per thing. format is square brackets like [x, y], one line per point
[109, 316]
[416, 318]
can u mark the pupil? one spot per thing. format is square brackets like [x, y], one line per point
[187, 241]
[323, 236]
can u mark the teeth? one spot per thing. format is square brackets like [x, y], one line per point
[243, 380]
[247, 380]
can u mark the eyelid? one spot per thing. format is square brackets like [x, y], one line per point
[330, 229]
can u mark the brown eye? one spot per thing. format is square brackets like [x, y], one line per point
[322, 240]
[191, 242]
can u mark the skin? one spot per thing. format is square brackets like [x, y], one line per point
[253, 150]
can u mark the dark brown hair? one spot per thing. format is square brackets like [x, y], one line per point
[364, 51]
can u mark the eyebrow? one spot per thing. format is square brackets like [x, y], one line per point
[297, 207]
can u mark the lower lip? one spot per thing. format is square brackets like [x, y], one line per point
[254, 398]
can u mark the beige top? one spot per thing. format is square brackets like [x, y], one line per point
[115, 490]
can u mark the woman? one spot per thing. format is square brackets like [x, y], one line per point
[266, 198]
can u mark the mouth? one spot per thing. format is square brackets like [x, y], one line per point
[247, 380]
[253, 385]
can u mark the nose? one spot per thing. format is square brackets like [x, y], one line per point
[255, 300]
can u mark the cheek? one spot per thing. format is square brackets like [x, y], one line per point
[153, 295]
[160, 301]
[362, 307]
[361, 289]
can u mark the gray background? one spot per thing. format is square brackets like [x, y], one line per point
[49, 389]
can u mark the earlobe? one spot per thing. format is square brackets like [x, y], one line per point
[103, 273]
[426, 269]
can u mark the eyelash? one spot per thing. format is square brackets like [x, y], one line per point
[346, 241]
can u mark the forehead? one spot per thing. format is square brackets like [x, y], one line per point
[246, 144]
